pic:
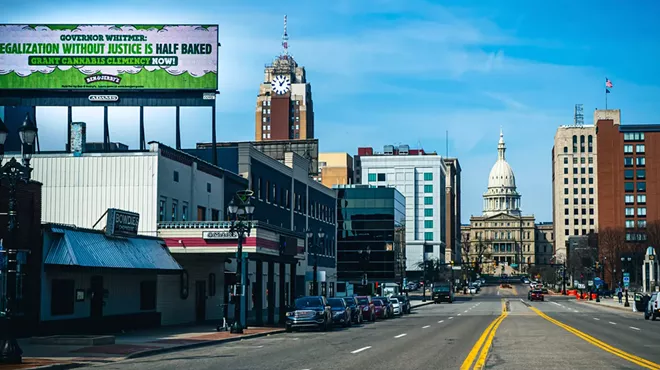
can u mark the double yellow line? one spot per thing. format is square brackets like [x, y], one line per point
[604, 346]
[483, 344]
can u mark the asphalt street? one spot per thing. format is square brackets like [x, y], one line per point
[448, 336]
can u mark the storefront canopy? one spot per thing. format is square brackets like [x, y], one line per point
[93, 249]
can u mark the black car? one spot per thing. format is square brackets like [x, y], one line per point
[356, 312]
[405, 303]
[442, 293]
[389, 312]
[311, 311]
[341, 313]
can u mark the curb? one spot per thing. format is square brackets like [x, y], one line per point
[626, 309]
[158, 351]
[421, 305]
[70, 365]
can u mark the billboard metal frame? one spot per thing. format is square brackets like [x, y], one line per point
[125, 98]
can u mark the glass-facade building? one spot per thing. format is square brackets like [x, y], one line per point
[370, 234]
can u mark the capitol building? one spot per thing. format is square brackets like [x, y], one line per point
[502, 238]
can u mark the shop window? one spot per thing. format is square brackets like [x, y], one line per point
[148, 295]
[62, 297]
[215, 214]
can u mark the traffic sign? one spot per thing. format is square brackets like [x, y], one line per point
[626, 279]
[590, 283]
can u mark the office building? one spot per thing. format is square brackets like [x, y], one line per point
[453, 210]
[335, 169]
[574, 184]
[370, 234]
[421, 177]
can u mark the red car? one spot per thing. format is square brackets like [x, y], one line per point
[536, 295]
[380, 309]
[367, 308]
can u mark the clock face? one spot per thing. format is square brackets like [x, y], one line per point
[280, 84]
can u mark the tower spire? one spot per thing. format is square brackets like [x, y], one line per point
[501, 147]
[285, 39]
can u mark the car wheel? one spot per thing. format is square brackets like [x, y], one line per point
[289, 329]
[373, 316]
[653, 317]
[646, 316]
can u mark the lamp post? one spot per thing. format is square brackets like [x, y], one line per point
[623, 260]
[240, 216]
[14, 172]
[314, 246]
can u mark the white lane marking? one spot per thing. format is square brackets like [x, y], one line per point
[441, 321]
[427, 326]
[556, 303]
[458, 314]
[451, 317]
[498, 292]
[633, 328]
[400, 335]
[361, 349]
[613, 323]
[465, 311]
[597, 319]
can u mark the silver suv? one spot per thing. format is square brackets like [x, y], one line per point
[653, 307]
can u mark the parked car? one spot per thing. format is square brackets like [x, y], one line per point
[367, 308]
[312, 311]
[652, 307]
[380, 309]
[341, 313]
[356, 312]
[396, 306]
[388, 304]
[405, 303]
[472, 289]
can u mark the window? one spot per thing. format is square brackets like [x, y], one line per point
[428, 224]
[590, 140]
[591, 211]
[641, 174]
[565, 211]
[628, 161]
[565, 149]
[582, 143]
[575, 190]
[565, 171]
[565, 190]
[641, 186]
[574, 143]
[428, 236]
[566, 221]
[208, 187]
[630, 211]
[428, 212]
[591, 170]
[215, 215]
[148, 295]
[629, 186]
[633, 136]
[630, 199]
[259, 193]
[566, 201]
[201, 213]
[641, 223]
[274, 194]
[565, 160]
[161, 209]
[591, 160]
[641, 199]
[267, 191]
[639, 148]
[628, 148]
[583, 160]
[641, 211]
[628, 174]
[630, 224]
[575, 160]
[381, 177]
[565, 181]
[566, 232]
[428, 188]
[591, 190]
[62, 297]
[591, 200]
[428, 201]
[575, 171]
[583, 191]
[175, 208]
[372, 177]
[184, 211]
[641, 161]
[428, 176]
[287, 200]
[176, 176]
[591, 180]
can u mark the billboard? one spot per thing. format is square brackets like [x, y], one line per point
[102, 57]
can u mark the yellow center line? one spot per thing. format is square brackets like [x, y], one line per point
[483, 343]
[602, 345]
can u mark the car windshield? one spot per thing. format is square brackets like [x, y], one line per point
[537, 291]
[303, 303]
[439, 289]
[349, 301]
[363, 300]
[378, 303]
[336, 303]
[400, 298]
[394, 300]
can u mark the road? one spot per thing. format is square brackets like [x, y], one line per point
[448, 336]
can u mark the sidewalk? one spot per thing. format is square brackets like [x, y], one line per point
[611, 303]
[130, 345]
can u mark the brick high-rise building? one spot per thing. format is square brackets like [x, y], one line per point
[284, 108]
[453, 210]
[628, 174]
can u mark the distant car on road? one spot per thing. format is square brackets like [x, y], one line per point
[442, 293]
[405, 303]
[396, 306]
[535, 295]
[380, 310]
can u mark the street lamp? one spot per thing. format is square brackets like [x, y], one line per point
[315, 246]
[14, 172]
[240, 216]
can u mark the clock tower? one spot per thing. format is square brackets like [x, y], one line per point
[284, 108]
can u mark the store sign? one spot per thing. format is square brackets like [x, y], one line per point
[219, 235]
[103, 98]
[121, 223]
[208, 96]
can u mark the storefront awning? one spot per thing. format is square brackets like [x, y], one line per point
[92, 248]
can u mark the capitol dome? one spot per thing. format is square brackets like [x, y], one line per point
[502, 195]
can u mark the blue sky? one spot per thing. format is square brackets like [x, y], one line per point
[390, 72]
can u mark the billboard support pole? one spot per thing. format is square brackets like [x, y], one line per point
[213, 136]
[69, 113]
[34, 118]
[143, 145]
[106, 130]
[178, 127]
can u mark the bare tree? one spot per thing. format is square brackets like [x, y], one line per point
[611, 242]
[653, 233]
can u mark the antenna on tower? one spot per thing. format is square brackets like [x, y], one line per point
[578, 116]
[285, 39]
[447, 144]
